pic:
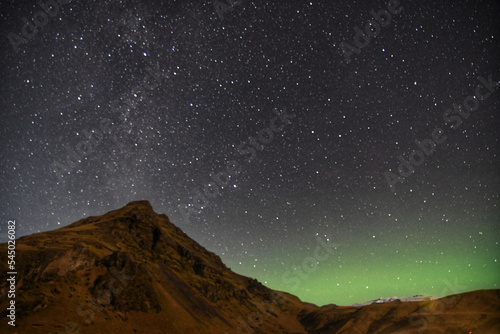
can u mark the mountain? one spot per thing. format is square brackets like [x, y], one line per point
[395, 299]
[132, 271]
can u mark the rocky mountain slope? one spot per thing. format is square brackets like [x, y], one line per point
[132, 271]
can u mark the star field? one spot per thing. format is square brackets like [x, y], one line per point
[279, 135]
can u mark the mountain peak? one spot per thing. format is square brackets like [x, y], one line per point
[143, 204]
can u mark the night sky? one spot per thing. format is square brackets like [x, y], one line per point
[338, 166]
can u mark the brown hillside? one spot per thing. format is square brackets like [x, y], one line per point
[132, 271]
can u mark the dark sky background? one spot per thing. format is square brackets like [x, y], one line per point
[107, 102]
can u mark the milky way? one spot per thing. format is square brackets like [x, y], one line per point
[339, 151]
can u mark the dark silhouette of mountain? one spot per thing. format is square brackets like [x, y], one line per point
[132, 271]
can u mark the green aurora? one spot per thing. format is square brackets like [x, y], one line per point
[379, 266]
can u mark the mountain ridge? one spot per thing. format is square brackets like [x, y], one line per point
[133, 271]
